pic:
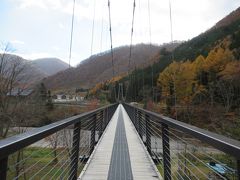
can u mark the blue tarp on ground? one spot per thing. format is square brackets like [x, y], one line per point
[220, 168]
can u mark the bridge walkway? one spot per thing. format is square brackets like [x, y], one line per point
[120, 153]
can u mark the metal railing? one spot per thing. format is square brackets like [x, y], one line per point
[55, 151]
[183, 151]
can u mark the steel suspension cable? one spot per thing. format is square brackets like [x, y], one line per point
[141, 33]
[149, 24]
[150, 44]
[170, 17]
[130, 48]
[110, 32]
[174, 83]
[71, 36]
[93, 25]
[101, 40]
[111, 42]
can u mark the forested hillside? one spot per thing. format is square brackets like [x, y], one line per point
[98, 68]
[225, 37]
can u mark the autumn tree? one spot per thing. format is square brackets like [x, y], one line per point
[231, 72]
[178, 79]
[216, 62]
[230, 80]
[211, 77]
[11, 74]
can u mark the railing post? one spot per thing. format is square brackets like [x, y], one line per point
[133, 118]
[238, 169]
[166, 152]
[3, 168]
[104, 118]
[140, 125]
[137, 117]
[101, 123]
[138, 129]
[93, 132]
[75, 151]
[148, 135]
[109, 114]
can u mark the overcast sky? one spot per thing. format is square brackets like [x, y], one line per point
[41, 28]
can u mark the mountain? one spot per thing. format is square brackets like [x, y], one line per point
[50, 66]
[233, 16]
[34, 71]
[29, 75]
[98, 68]
[203, 43]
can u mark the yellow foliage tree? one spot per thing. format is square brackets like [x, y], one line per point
[100, 86]
[115, 79]
[198, 64]
[182, 76]
[182, 81]
[231, 72]
[217, 60]
[96, 88]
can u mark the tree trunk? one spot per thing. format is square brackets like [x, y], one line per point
[1, 132]
[55, 159]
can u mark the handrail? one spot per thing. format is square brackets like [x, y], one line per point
[148, 123]
[222, 143]
[14, 143]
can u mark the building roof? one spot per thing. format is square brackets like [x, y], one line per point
[20, 92]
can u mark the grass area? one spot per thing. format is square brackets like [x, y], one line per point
[40, 163]
[196, 169]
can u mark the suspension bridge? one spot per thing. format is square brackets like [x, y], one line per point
[119, 141]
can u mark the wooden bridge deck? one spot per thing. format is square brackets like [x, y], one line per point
[120, 153]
